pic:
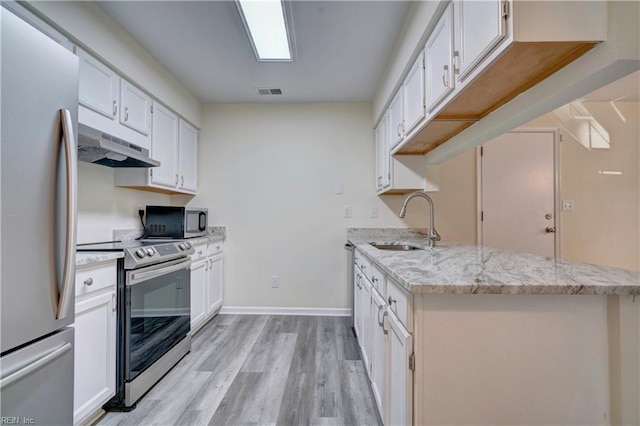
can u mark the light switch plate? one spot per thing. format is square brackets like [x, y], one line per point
[338, 188]
[347, 211]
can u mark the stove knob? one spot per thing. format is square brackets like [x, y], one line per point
[141, 253]
[150, 251]
[188, 244]
[182, 246]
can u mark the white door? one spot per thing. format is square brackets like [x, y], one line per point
[365, 338]
[214, 283]
[135, 108]
[357, 303]
[94, 354]
[400, 375]
[164, 146]
[199, 271]
[396, 133]
[440, 79]
[98, 86]
[518, 196]
[413, 95]
[479, 27]
[188, 157]
[379, 361]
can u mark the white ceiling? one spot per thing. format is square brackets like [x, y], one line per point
[626, 89]
[342, 48]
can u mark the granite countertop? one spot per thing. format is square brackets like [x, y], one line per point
[216, 233]
[87, 258]
[456, 268]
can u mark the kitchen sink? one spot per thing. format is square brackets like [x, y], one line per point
[395, 247]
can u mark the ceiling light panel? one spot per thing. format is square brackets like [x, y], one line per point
[266, 25]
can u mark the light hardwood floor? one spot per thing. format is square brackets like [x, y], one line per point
[262, 370]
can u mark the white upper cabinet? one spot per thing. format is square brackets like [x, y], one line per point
[439, 61]
[164, 146]
[413, 95]
[188, 157]
[479, 27]
[98, 86]
[135, 108]
[396, 131]
[383, 156]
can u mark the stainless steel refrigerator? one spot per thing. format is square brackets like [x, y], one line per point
[39, 101]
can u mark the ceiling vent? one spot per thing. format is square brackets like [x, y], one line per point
[269, 91]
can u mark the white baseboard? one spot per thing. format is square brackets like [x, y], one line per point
[268, 310]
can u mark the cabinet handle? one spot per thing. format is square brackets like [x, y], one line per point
[399, 131]
[176, 180]
[114, 301]
[88, 282]
[126, 113]
[445, 72]
[374, 279]
[181, 180]
[115, 108]
[364, 268]
[391, 300]
[456, 62]
[380, 323]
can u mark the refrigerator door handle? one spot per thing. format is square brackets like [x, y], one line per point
[35, 365]
[70, 150]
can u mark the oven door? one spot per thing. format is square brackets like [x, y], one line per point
[158, 313]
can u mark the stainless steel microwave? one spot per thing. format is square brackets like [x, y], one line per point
[175, 222]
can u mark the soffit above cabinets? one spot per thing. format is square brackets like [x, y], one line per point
[342, 48]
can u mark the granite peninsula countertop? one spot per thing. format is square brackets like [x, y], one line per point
[454, 268]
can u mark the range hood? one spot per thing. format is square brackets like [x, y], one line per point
[98, 147]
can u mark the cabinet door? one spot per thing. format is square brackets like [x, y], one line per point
[479, 27]
[135, 108]
[379, 153]
[357, 303]
[396, 132]
[198, 288]
[215, 281]
[379, 362]
[94, 354]
[164, 146]
[98, 86]
[188, 157]
[439, 61]
[385, 152]
[400, 375]
[413, 95]
[366, 338]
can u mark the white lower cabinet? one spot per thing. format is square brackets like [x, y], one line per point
[379, 361]
[95, 341]
[198, 283]
[400, 387]
[366, 337]
[207, 281]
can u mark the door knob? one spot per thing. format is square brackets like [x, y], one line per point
[550, 229]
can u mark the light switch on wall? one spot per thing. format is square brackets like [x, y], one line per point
[347, 211]
[338, 188]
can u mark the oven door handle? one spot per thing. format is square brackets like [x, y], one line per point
[136, 277]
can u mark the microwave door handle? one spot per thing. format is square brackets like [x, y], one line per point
[68, 272]
[138, 277]
[202, 221]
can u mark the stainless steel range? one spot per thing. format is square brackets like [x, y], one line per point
[153, 313]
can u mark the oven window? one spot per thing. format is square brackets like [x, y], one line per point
[158, 317]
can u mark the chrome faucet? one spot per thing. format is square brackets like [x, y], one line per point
[433, 234]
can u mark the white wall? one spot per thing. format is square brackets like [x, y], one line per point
[103, 207]
[91, 26]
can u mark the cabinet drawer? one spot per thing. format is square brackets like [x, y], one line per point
[376, 277]
[401, 303]
[215, 248]
[95, 277]
[200, 252]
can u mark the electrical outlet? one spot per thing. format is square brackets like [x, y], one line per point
[567, 205]
[373, 211]
[347, 211]
[275, 281]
